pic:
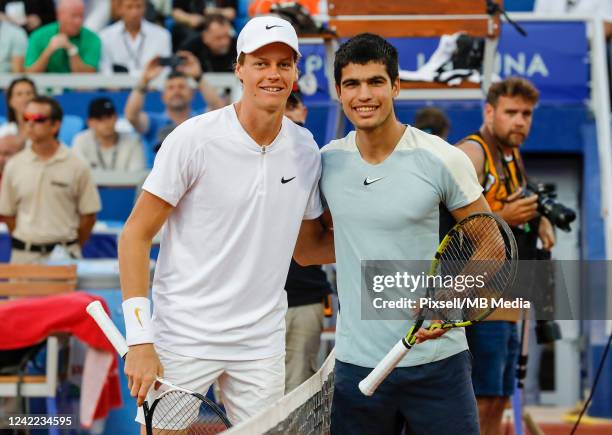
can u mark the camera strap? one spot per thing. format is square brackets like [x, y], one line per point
[513, 176]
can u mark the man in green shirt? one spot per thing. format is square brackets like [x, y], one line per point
[65, 45]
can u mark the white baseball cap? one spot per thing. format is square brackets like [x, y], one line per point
[264, 30]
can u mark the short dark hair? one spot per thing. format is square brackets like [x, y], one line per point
[365, 48]
[513, 87]
[56, 110]
[432, 120]
[214, 18]
[12, 116]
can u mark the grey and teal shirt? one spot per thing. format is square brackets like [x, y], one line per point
[390, 211]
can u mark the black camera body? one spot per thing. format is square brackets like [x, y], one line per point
[558, 214]
[171, 61]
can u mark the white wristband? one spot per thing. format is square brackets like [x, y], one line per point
[73, 50]
[137, 316]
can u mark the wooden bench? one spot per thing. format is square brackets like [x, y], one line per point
[22, 280]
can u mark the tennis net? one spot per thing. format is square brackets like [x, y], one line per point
[304, 411]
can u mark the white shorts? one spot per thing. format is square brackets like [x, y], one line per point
[247, 387]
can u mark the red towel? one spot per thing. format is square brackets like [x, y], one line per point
[27, 321]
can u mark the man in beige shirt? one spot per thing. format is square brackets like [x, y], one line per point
[48, 196]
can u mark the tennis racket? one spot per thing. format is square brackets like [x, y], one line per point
[176, 410]
[480, 245]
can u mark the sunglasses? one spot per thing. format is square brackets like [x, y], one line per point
[35, 117]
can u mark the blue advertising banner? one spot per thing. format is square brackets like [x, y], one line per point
[554, 56]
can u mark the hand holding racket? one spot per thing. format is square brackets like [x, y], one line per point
[176, 410]
[480, 245]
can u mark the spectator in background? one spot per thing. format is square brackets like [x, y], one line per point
[13, 47]
[10, 145]
[102, 147]
[189, 16]
[18, 94]
[129, 44]
[64, 46]
[433, 121]
[177, 97]
[307, 288]
[48, 196]
[29, 14]
[295, 109]
[214, 46]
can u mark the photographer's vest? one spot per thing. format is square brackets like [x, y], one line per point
[500, 181]
[496, 188]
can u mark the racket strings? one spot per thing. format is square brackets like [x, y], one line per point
[179, 412]
[480, 249]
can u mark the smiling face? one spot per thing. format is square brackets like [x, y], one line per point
[267, 76]
[366, 93]
[510, 120]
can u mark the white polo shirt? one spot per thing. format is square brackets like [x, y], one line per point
[118, 47]
[226, 248]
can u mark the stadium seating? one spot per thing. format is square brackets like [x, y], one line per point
[71, 125]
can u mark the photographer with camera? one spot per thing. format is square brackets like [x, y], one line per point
[177, 97]
[494, 151]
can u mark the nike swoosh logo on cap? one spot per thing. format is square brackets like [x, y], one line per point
[272, 27]
[369, 180]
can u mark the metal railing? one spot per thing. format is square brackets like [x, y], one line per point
[58, 82]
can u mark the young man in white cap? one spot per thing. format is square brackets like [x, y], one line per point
[232, 187]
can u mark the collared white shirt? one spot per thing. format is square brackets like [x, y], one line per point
[119, 48]
[218, 290]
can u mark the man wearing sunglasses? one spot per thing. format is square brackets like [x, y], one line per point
[48, 196]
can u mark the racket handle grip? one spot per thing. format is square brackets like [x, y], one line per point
[96, 311]
[369, 385]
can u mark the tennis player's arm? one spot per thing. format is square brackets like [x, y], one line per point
[145, 221]
[475, 153]
[315, 243]
[479, 206]
[142, 364]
